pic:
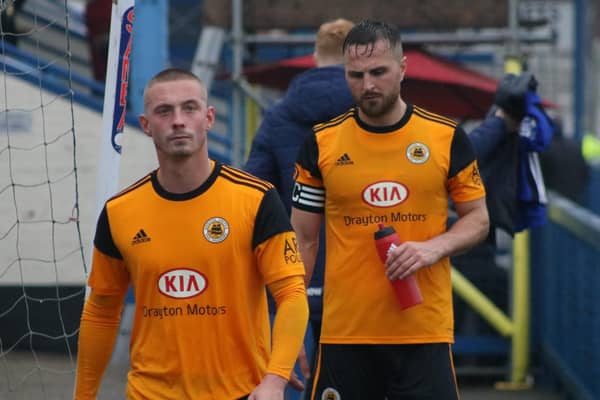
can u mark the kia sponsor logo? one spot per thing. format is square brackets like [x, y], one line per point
[182, 283]
[385, 194]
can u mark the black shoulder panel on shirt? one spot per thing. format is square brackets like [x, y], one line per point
[335, 121]
[147, 178]
[421, 112]
[461, 152]
[103, 240]
[243, 178]
[271, 218]
[308, 158]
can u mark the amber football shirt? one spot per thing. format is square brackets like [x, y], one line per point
[402, 176]
[198, 263]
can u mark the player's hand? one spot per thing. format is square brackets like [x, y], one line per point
[303, 363]
[272, 387]
[296, 382]
[408, 258]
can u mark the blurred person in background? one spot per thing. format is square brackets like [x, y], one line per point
[508, 145]
[314, 96]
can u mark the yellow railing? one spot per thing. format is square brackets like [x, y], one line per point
[516, 328]
[252, 121]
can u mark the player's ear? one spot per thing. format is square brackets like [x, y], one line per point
[210, 116]
[144, 124]
[403, 67]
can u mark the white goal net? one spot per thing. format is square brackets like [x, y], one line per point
[48, 169]
[50, 136]
[42, 266]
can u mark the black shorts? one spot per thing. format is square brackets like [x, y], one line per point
[378, 372]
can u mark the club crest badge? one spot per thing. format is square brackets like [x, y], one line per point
[330, 394]
[216, 230]
[417, 153]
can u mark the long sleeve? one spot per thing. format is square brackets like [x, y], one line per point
[290, 324]
[97, 335]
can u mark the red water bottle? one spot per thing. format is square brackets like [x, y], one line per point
[407, 289]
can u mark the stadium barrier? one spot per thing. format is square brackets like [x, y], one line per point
[565, 297]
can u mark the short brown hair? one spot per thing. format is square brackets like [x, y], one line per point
[173, 74]
[368, 32]
[170, 75]
[330, 37]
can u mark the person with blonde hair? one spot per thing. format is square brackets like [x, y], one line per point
[328, 44]
[314, 96]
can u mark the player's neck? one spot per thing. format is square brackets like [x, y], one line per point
[184, 176]
[390, 118]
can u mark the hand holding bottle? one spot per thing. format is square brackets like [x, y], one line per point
[407, 289]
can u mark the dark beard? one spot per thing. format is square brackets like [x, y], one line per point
[378, 110]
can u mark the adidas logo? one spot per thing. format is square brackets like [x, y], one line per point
[344, 160]
[140, 237]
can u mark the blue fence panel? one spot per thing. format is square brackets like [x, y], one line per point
[593, 192]
[565, 297]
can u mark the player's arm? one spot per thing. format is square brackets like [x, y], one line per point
[308, 203]
[307, 225]
[97, 334]
[99, 326]
[288, 332]
[289, 325]
[468, 195]
[471, 228]
[281, 267]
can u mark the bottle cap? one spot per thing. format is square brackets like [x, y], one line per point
[384, 231]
